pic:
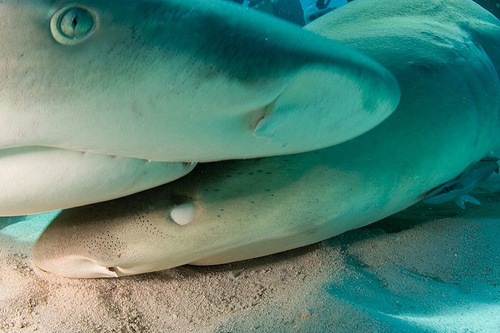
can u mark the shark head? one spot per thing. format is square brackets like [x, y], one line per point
[124, 83]
[178, 81]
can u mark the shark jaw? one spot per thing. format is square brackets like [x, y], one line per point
[39, 179]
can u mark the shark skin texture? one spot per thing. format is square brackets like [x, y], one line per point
[445, 56]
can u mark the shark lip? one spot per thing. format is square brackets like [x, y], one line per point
[38, 179]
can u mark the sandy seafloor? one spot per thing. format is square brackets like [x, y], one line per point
[428, 268]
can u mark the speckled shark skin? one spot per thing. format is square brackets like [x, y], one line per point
[445, 56]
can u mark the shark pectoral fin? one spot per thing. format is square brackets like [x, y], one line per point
[462, 200]
[327, 104]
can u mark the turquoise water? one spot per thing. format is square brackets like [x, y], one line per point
[424, 269]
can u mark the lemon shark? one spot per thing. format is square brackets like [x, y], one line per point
[164, 81]
[446, 58]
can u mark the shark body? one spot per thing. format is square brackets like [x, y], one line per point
[446, 58]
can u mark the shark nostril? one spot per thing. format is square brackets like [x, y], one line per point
[72, 24]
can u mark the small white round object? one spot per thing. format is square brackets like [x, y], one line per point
[182, 214]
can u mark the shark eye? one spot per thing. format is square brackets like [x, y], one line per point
[72, 24]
